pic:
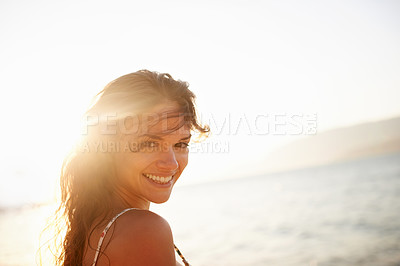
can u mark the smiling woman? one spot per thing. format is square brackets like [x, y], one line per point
[106, 193]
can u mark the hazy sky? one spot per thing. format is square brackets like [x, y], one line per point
[246, 61]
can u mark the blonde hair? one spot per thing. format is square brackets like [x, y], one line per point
[86, 181]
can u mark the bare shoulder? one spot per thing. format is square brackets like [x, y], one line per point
[140, 237]
[142, 223]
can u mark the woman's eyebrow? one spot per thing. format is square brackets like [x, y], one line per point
[188, 137]
[160, 138]
[151, 136]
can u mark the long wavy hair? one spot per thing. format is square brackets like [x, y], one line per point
[87, 175]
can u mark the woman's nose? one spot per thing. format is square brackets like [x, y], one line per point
[167, 160]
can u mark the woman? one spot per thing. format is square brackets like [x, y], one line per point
[134, 151]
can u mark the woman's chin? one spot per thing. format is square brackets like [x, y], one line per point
[159, 200]
[159, 197]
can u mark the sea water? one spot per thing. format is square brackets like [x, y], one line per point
[341, 214]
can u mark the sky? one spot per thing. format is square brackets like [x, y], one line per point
[255, 66]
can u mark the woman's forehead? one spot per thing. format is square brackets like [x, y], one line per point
[162, 119]
[165, 107]
[165, 118]
[166, 125]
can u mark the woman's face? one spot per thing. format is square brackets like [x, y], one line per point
[148, 171]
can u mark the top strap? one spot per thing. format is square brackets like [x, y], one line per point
[103, 234]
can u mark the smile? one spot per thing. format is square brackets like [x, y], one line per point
[159, 179]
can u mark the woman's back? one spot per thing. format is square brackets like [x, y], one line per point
[138, 237]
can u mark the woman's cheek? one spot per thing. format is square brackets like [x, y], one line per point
[183, 160]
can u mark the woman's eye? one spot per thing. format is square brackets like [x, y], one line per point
[182, 145]
[149, 145]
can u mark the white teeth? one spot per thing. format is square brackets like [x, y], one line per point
[159, 179]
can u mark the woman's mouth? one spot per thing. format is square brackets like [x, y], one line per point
[159, 179]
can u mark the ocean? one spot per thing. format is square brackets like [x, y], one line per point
[340, 214]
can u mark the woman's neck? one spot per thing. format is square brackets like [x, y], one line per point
[125, 201]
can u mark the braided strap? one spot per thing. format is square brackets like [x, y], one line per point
[182, 257]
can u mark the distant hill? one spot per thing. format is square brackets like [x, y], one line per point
[337, 145]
